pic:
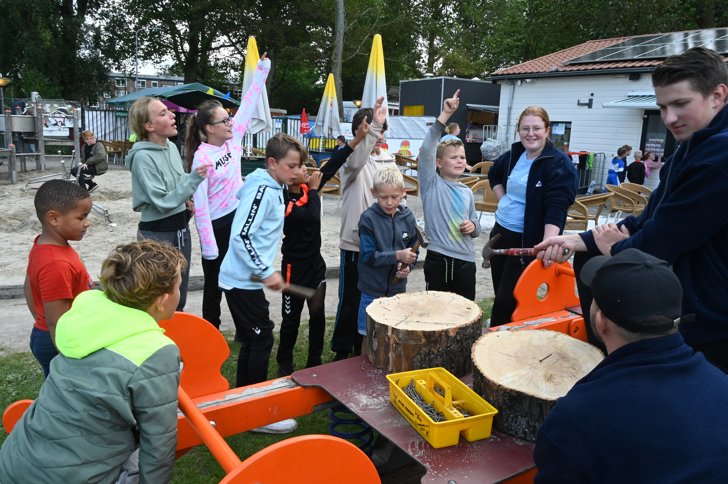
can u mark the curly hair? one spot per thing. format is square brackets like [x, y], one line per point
[58, 195]
[137, 273]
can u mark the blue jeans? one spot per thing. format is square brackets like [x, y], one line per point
[43, 349]
[366, 300]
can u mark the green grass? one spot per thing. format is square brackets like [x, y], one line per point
[21, 378]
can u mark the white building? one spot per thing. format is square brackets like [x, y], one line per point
[599, 94]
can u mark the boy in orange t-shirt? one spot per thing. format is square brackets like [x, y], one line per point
[56, 274]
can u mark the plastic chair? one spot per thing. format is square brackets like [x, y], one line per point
[483, 167]
[626, 201]
[489, 200]
[637, 188]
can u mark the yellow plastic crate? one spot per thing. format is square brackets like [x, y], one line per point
[450, 397]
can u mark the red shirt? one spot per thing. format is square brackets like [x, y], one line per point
[55, 273]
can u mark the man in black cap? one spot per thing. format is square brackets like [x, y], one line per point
[652, 410]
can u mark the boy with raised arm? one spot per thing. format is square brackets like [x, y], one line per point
[451, 221]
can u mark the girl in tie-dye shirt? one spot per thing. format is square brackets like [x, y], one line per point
[215, 139]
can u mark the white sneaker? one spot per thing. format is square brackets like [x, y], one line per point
[283, 427]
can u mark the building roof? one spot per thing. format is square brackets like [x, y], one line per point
[557, 64]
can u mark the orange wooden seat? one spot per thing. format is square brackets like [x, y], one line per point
[322, 459]
[203, 350]
[12, 414]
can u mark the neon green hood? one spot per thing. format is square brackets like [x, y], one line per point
[94, 322]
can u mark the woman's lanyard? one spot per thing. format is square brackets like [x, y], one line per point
[303, 200]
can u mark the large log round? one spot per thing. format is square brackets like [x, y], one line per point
[522, 373]
[417, 330]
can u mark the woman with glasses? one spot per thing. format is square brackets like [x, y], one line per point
[535, 184]
[215, 140]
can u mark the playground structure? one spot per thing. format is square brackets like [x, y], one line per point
[33, 130]
[36, 125]
[210, 410]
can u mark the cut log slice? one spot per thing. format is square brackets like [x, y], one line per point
[417, 330]
[522, 373]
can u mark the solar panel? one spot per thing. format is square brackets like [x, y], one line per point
[658, 46]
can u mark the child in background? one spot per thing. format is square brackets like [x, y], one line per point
[160, 188]
[451, 221]
[216, 197]
[113, 387]
[357, 176]
[636, 169]
[302, 264]
[55, 274]
[452, 132]
[256, 232]
[340, 142]
[387, 232]
[615, 174]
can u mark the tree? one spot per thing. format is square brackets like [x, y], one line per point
[49, 47]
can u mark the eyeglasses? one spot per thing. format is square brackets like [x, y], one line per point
[531, 129]
[228, 121]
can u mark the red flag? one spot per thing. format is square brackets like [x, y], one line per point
[305, 127]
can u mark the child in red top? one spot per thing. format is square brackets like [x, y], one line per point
[55, 274]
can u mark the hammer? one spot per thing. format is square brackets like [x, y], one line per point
[293, 289]
[489, 251]
[422, 241]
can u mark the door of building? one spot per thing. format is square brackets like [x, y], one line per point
[655, 136]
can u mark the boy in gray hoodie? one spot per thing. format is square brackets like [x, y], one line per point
[450, 217]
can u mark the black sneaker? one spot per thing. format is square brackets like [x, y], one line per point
[92, 187]
[284, 370]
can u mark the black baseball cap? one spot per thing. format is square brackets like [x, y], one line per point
[635, 290]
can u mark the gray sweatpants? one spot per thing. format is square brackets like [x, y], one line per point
[183, 241]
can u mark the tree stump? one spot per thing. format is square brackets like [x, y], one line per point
[417, 330]
[522, 373]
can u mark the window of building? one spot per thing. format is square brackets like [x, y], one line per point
[560, 134]
[141, 84]
[155, 84]
[120, 93]
[120, 82]
[180, 83]
[107, 95]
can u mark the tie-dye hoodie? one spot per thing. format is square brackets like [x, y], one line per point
[216, 196]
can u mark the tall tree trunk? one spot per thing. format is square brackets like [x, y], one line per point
[339, 27]
[192, 61]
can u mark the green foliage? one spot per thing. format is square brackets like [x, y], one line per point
[20, 379]
[48, 47]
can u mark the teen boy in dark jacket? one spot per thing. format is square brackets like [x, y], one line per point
[685, 222]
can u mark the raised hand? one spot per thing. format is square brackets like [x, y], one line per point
[451, 104]
[380, 113]
[361, 132]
